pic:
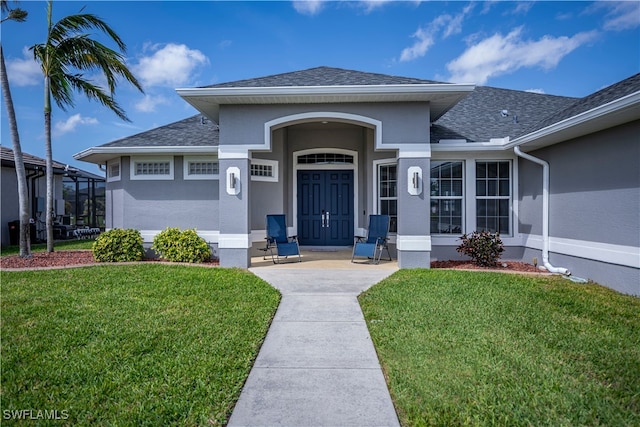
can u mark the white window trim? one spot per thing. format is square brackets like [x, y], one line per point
[464, 196]
[469, 192]
[114, 178]
[266, 162]
[153, 159]
[469, 222]
[512, 226]
[191, 159]
[376, 184]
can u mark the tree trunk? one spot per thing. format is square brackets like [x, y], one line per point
[23, 194]
[50, 214]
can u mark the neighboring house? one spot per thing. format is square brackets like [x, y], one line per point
[78, 197]
[328, 147]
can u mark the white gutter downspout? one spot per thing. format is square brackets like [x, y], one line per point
[545, 211]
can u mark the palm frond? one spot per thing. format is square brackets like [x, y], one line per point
[74, 24]
[97, 93]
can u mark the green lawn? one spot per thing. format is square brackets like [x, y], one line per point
[131, 345]
[469, 348]
[61, 245]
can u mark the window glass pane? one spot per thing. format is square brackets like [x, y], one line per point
[493, 191]
[456, 171]
[152, 168]
[504, 169]
[445, 188]
[434, 186]
[388, 191]
[446, 216]
[492, 170]
[481, 170]
[481, 188]
[446, 197]
[456, 188]
[445, 170]
[504, 187]
[492, 187]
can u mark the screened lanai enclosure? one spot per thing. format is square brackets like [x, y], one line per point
[84, 205]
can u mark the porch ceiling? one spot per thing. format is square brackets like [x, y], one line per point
[441, 97]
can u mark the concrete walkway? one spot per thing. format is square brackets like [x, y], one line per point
[317, 366]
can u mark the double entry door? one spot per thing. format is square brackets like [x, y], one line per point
[325, 207]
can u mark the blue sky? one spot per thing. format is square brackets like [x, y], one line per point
[567, 48]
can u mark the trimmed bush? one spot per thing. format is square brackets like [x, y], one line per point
[181, 246]
[483, 247]
[118, 245]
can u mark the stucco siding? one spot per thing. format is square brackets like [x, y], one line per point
[157, 204]
[406, 122]
[594, 188]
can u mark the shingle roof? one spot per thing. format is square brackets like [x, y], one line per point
[324, 76]
[194, 131]
[611, 93]
[476, 118]
[479, 116]
[33, 162]
[6, 154]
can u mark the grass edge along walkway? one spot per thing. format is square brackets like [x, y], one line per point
[468, 348]
[131, 345]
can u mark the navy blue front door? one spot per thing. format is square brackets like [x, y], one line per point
[325, 207]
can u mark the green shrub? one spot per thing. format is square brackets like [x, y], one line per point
[118, 245]
[181, 246]
[484, 247]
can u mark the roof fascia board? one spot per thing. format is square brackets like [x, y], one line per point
[600, 112]
[346, 90]
[148, 151]
[497, 145]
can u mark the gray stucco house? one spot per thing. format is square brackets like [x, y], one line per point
[558, 177]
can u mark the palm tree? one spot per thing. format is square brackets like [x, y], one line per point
[17, 15]
[63, 57]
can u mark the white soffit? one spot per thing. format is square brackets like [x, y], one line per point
[442, 96]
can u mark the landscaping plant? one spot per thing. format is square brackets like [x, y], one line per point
[118, 245]
[483, 247]
[181, 246]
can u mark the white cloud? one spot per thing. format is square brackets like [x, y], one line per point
[72, 123]
[426, 36]
[420, 47]
[25, 71]
[500, 54]
[308, 7]
[540, 91]
[149, 103]
[522, 7]
[624, 15]
[170, 65]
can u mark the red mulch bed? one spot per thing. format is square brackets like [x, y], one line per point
[60, 259]
[521, 267]
[85, 257]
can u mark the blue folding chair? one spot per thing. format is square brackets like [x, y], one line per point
[376, 240]
[278, 240]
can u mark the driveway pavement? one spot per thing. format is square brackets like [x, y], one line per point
[317, 366]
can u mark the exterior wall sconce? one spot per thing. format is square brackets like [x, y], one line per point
[414, 180]
[233, 181]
